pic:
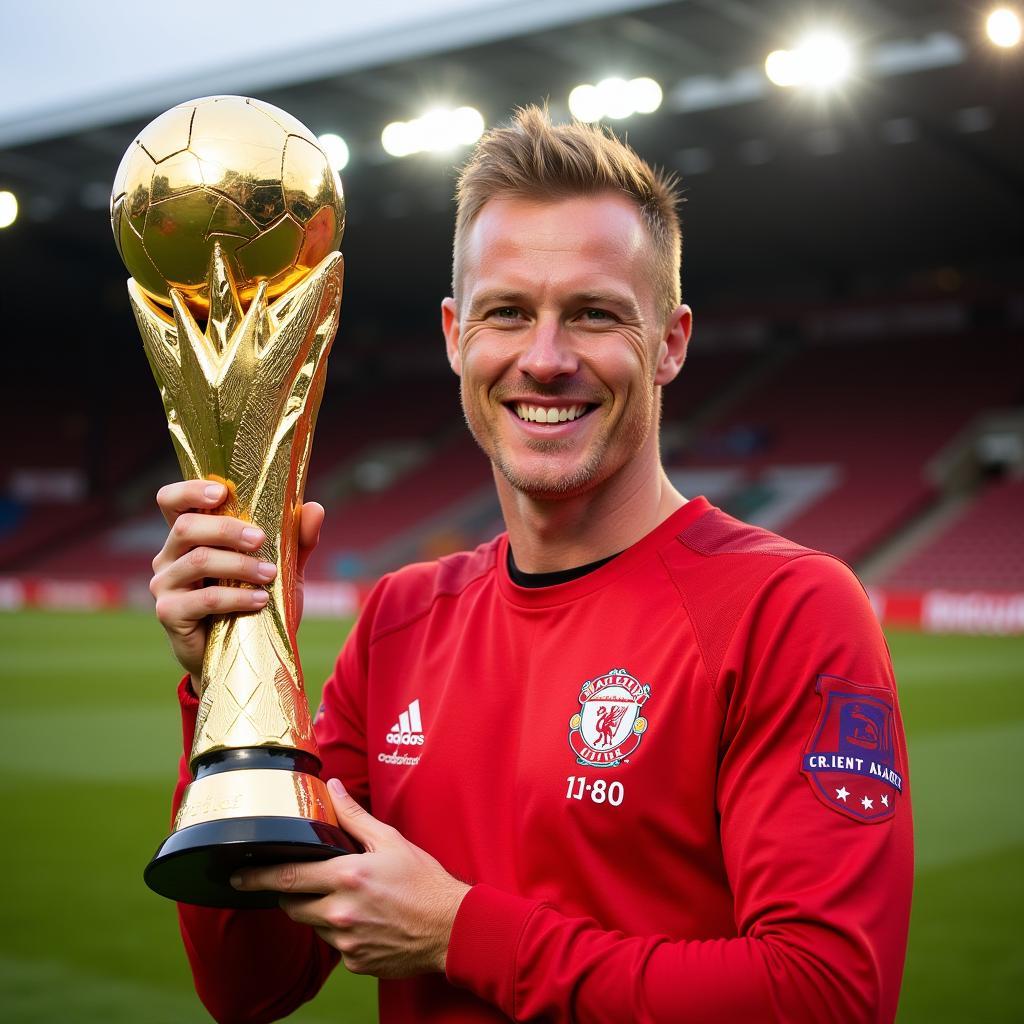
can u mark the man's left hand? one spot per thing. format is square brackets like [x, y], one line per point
[388, 911]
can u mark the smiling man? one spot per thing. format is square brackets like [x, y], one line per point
[563, 329]
[633, 760]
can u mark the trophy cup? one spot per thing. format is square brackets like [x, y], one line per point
[225, 210]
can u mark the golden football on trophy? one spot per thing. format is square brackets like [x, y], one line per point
[227, 170]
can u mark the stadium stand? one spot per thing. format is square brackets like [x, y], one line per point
[825, 442]
[454, 469]
[870, 411]
[411, 416]
[982, 549]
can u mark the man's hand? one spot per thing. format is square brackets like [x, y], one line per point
[202, 547]
[388, 911]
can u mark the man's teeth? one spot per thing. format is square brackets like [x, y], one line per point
[552, 414]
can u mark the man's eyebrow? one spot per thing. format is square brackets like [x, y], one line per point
[495, 297]
[595, 298]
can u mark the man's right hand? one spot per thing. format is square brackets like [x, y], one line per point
[203, 547]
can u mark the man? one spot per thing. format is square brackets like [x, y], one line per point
[651, 765]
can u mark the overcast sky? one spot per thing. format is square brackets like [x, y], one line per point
[67, 65]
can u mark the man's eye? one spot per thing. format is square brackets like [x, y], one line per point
[597, 315]
[505, 313]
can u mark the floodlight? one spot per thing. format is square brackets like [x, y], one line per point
[396, 139]
[585, 104]
[467, 125]
[821, 60]
[335, 149]
[8, 209]
[437, 131]
[645, 95]
[1003, 27]
[616, 100]
[782, 68]
[825, 59]
[433, 132]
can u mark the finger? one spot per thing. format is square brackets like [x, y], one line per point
[311, 877]
[357, 821]
[184, 495]
[197, 529]
[311, 521]
[307, 909]
[212, 563]
[181, 610]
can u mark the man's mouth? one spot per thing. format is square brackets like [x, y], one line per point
[550, 413]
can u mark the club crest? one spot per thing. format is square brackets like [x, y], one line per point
[851, 760]
[608, 727]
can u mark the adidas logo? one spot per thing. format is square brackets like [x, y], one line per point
[408, 730]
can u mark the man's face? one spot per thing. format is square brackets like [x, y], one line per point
[559, 340]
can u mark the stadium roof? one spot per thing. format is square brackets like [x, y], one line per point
[916, 164]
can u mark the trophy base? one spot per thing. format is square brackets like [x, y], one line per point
[194, 865]
[247, 807]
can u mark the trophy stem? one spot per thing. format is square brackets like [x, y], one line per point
[241, 399]
[246, 807]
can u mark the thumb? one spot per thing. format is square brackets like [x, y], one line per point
[311, 521]
[356, 820]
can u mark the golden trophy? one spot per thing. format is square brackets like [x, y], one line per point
[226, 211]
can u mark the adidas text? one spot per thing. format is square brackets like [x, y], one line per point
[405, 738]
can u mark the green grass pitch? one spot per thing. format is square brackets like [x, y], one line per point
[90, 744]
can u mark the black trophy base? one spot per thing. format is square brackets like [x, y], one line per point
[194, 864]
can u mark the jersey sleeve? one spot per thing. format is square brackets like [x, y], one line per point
[340, 721]
[259, 965]
[821, 895]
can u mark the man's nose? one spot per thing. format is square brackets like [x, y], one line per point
[549, 353]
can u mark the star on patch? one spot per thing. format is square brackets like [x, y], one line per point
[885, 799]
[868, 804]
[843, 793]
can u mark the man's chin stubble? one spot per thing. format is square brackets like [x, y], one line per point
[548, 487]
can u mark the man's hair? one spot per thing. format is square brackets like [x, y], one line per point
[534, 159]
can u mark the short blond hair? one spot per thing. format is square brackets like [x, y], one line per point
[532, 158]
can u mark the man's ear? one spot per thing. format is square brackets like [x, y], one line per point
[450, 327]
[672, 353]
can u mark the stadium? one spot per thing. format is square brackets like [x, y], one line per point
[852, 219]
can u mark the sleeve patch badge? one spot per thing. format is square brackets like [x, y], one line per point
[850, 760]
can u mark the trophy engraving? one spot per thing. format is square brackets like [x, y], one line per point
[226, 210]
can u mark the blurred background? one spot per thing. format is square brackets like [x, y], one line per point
[853, 176]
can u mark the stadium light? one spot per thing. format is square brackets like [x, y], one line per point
[335, 149]
[396, 139]
[585, 105]
[467, 125]
[8, 209]
[821, 60]
[437, 131]
[1003, 27]
[782, 69]
[614, 98]
[613, 95]
[645, 94]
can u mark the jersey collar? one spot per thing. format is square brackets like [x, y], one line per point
[626, 562]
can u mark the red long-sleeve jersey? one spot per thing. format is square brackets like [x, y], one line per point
[678, 785]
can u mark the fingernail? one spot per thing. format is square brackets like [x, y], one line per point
[236, 880]
[335, 786]
[260, 597]
[266, 570]
[252, 535]
[213, 491]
